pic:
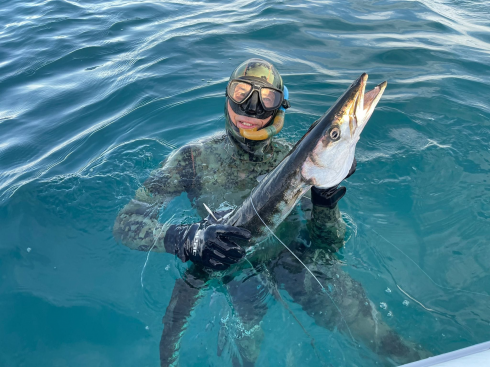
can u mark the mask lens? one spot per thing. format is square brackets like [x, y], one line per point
[270, 98]
[238, 91]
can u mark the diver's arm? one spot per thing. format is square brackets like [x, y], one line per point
[326, 227]
[137, 225]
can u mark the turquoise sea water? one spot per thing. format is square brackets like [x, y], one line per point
[93, 95]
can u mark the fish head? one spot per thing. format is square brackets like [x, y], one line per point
[335, 135]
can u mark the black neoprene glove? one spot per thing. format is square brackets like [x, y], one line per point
[328, 198]
[206, 243]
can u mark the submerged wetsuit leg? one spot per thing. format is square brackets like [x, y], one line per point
[185, 296]
[249, 295]
[352, 307]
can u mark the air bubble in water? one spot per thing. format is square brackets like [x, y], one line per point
[388, 290]
[383, 305]
[167, 267]
[406, 303]
[29, 249]
[390, 314]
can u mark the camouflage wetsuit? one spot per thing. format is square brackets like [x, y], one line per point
[216, 170]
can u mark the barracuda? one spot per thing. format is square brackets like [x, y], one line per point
[321, 158]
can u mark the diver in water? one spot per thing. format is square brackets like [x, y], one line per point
[225, 168]
[221, 168]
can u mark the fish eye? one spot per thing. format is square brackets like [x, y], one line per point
[335, 134]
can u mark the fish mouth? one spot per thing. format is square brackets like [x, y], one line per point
[362, 103]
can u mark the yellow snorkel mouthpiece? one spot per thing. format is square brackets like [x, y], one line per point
[267, 132]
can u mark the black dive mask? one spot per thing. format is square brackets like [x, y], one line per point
[253, 97]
